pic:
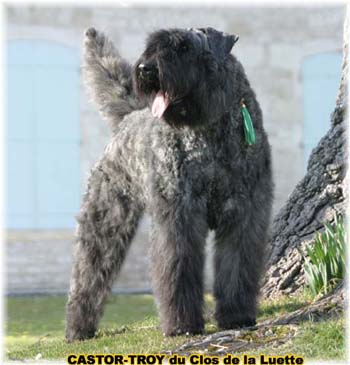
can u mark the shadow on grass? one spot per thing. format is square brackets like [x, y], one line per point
[277, 309]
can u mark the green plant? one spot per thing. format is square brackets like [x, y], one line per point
[325, 262]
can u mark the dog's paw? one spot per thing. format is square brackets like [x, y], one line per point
[72, 336]
[79, 333]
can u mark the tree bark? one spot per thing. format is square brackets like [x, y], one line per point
[314, 200]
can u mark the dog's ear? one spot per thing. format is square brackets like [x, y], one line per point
[220, 43]
[229, 41]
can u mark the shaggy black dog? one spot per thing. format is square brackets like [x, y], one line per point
[182, 150]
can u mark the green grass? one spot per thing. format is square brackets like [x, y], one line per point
[36, 325]
[130, 325]
[323, 340]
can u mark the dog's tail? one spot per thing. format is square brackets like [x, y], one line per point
[108, 78]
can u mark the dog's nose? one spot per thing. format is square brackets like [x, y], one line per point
[143, 67]
[147, 68]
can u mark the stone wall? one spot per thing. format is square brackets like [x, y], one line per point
[272, 46]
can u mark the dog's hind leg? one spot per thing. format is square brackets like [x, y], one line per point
[107, 223]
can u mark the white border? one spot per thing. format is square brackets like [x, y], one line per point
[128, 3]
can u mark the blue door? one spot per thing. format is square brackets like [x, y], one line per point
[42, 136]
[321, 78]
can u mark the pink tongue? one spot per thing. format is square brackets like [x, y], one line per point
[160, 103]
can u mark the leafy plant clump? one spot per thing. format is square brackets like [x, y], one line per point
[325, 262]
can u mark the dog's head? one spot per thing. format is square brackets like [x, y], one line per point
[183, 73]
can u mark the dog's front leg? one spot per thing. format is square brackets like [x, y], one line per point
[240, 245]
[177, 260]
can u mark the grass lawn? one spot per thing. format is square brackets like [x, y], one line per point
[35, 325]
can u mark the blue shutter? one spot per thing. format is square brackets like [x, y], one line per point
[321, 77]
[42, 135]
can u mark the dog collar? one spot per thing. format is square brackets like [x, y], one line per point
[249, 132]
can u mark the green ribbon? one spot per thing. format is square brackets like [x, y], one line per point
[249, 132]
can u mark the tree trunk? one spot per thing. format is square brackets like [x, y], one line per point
[314, 200]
